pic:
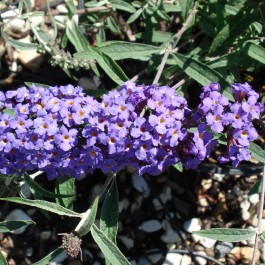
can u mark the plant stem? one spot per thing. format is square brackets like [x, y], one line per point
[106, 184]
[260, 211]
[180, 83]
[176, 37]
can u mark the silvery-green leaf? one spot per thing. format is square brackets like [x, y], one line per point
[44, 205]
[9, 226]
[227, 234]
[108, 248]
[50, 257]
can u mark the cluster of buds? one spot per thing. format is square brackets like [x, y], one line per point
[61, 131]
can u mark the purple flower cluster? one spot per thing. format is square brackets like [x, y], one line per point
[233, 118]
[62, 131]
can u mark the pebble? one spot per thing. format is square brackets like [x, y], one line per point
[262, 225]
[45, 235]
[201, 260]
[186, 260]
[156, 202]
[150, 226]
[254, 198]
[8, 14]
[128, 242]
[245, 215]
[192, 225]
[207, 242]
[156, 257]
[223, 248]
[61, 8]
[15, 215]
[139, 183]
[123, 204]
[172, 259]
[170, 236]
[206, 184]
[244, 205]
[218, 177]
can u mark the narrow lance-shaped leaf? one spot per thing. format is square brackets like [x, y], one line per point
[36, 188]
[257, 152]
[44, 205]
[88, 219]
[9, 226]
[18, 44]
[220, 38]
[75, 36]
[119, 50]
[254, 51]
[109, 66]
[110, 213]
[50, 257]
[108, 248]
[202, 73]
[122, 5]
[227, 234]
[65, 185]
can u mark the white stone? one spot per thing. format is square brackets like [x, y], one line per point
[154, 258]
[143, 261]
[16, 215]
[170, 236]
[61, 8]
[128, 242]
[218, 177]
[139, 183]
[207, 242]
[6, 16]
[192, 225]
[195, 238]
[45, 235]
[156, 202]
[123, 204]
[172, 259]
[60, 21]
[186, 260]
[36, 20]
[151, 226]
[244, 205]
[254, 198]
[245, 215]
[201, 260]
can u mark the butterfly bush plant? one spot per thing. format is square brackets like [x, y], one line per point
[138, 116]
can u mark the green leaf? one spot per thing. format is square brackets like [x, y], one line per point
[49, 257]
[110, 213]
[202, 73]
[154, 36]
[122, 5]
[112, 25]
[9, 226]
[256, 187]
[36, 188]
[30, 84]
[44, 205]
[2, 259]
[28, 5]
[230, 59]
[100, 36]
[242, 24]
[111, 68]
[120, 50]
[108, 248]
[10, 112]
[134, 16]
[71, 7]
[226, 234]
[171, 8]
[220, 39]
[88, 219]
[65, 185]
[96, 93]
[18, 44]
[254, 51]
[75, 36]
[186, 6]
[257, 152]
[179, 167]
